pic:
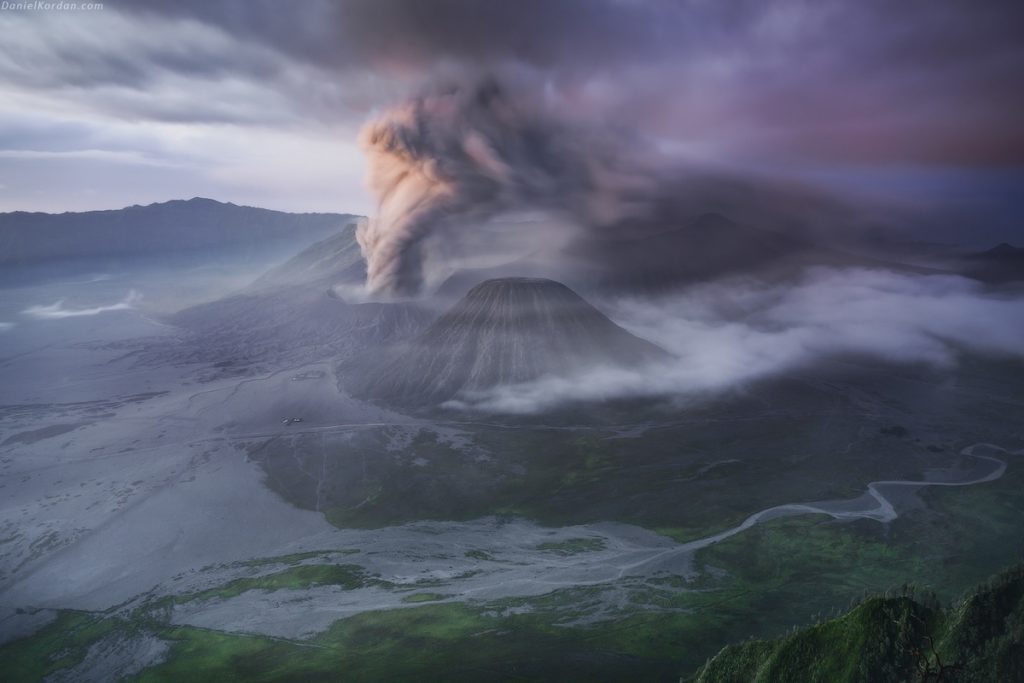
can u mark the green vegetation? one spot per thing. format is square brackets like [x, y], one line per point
[536, 639]
[681, 534]
[686, 473]
[479, 555]
[296, 558]
[573, 546]
[60, 644]
[288, 560]
[348, 576]
[690, 479]
[463, 642]
[394, 645]
[424, 597]
[758, 584]
[893, 639]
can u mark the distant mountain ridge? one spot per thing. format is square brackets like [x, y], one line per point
[1004, 250]
[167, 227]
[1003, 263]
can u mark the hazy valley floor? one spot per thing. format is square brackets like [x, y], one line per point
[149, 505]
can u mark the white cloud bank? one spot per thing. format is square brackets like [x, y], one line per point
[731, 332]
[57, 310]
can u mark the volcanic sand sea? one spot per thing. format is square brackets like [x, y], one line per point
[158, 497]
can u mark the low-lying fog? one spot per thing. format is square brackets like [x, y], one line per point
[729, 332]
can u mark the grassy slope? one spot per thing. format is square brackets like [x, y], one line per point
[876, 641]
[779, 574]
[893, 639]
[297, 578]
[62, 643]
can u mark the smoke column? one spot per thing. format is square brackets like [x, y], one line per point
[461, 153]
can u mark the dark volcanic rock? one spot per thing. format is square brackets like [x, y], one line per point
[297, 323]
[293, 313]
[502, 332]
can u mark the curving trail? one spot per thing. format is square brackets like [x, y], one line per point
[872, 505]
[414, 555]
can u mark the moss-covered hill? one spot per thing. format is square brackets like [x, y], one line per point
[894, 639]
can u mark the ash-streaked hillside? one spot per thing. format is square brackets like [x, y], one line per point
[503, 332]
[332, 261]
[293, 312]
[298, 322]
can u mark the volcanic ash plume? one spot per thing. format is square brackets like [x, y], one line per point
[463, 153]
[458, 155]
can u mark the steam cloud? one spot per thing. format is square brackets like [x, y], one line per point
[731, 332]
[57, 310]
[462, 153]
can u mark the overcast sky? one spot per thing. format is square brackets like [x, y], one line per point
[259, 102]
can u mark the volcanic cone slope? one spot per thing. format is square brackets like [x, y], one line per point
[504, 331]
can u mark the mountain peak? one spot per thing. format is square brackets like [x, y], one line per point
[505, 287]
[511, 282]
[504, 331]
[1004, 249]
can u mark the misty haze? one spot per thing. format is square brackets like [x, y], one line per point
[453, 340]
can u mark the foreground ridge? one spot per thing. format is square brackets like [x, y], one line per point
[906, 637]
